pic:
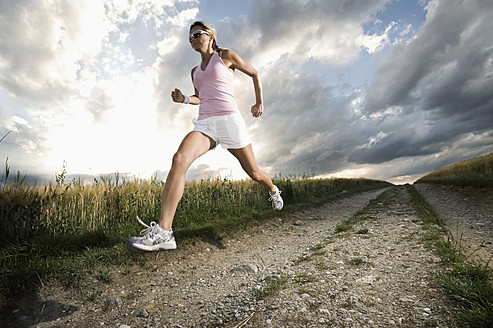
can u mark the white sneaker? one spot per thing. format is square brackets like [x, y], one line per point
[153, 239]
[276, 199]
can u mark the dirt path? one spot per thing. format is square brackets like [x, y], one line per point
[290, 272]
[468, 214]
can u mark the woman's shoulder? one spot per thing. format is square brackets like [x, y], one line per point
[228, 54]
[225, 52]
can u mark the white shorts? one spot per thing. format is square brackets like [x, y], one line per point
[229, 131]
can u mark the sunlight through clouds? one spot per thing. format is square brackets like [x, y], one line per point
[106, 118]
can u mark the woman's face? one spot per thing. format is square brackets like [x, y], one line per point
[200, 39]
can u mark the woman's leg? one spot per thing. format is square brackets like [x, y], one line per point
[194, 145]
[248, 162]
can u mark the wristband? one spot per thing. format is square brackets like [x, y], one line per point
[186, 100]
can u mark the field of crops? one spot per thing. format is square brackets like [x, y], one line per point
[27, 212]
[476, 172]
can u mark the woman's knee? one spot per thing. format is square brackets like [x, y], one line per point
[180, 160]
[256, 175]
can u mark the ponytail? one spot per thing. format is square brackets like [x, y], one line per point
[214, 46]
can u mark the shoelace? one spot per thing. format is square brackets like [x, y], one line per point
[148, 231]
[275, 196]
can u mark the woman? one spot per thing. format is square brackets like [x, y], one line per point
[219, 122]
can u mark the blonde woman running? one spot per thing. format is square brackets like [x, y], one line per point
[219, 122]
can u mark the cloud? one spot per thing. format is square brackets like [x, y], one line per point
[76, 73]
[307, 124]
[441, 80]
[205, 172]
[25, 141]
[346, 88]
[375, 42]
[313, 125]
[430, 90]
[43, 44]
[199, 172]
[321, 30]
[447, 68]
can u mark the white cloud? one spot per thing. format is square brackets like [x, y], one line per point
[44, 42]
[167, 45]
[326, 31]
[184, 17]
[14, 122]
[375, 42]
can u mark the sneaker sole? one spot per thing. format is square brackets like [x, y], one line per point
[154, 248]
[278, 209]
[131, 247]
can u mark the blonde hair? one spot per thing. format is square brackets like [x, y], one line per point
[209, 29]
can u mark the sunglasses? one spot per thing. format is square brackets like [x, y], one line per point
[197, 33]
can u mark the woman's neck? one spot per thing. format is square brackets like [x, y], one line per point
[206, 56]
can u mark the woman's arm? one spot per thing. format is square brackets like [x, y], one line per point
[178, 96]
[233, 61]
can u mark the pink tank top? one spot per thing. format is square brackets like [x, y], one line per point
[216, 89]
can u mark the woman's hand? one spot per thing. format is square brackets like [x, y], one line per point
[177, 96]
[257, 110]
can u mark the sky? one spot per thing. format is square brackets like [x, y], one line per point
[382, 89]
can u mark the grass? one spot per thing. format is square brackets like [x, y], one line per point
[476, 172]
[68, 230]
[356, 261]
[469, 285]
[303, 278]
[272, 288]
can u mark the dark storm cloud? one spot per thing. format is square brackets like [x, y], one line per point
[446, 71]
[306, 127]
[395, 145]
[446, 67]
